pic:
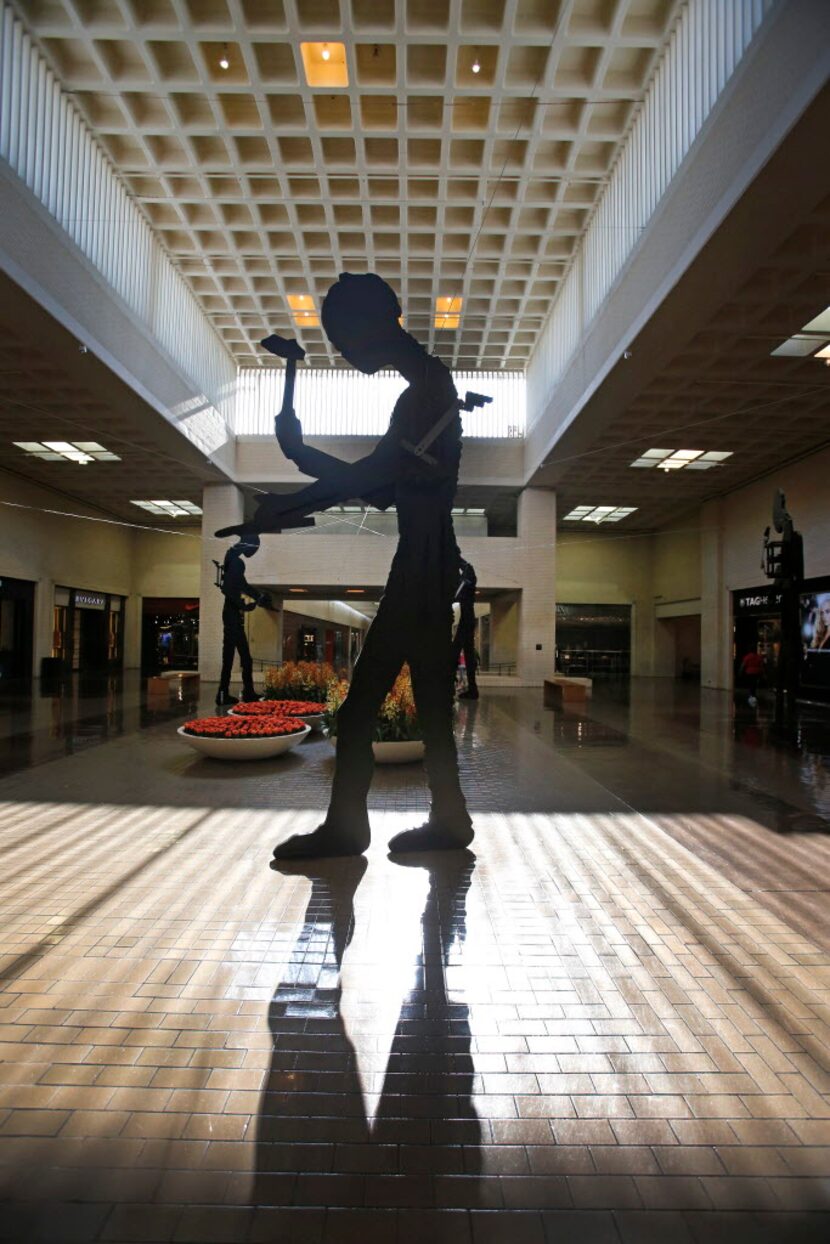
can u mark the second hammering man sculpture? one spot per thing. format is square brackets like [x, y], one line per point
[415, 468]
[236, 590]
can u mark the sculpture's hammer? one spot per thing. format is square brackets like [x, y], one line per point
[289, 349]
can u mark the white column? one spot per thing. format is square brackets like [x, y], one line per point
[222, 505]
[537, 609]
[131, 621]
[716, 646]
[44, 621]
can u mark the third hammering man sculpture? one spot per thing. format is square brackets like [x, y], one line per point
[415, 468]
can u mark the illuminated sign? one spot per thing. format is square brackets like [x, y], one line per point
[756, 600]
[90, 600]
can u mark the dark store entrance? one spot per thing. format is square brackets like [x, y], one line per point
[87, 631]
[91, 645]
[169, 634]
[593, 640]
[17, 614]
[756, 627]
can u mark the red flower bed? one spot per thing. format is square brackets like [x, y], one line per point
[278, 708]
[242, 728]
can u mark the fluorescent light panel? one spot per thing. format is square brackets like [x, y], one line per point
[169, 509]
[815, 333]
[599, 513]
[67, 451]
[681, 459]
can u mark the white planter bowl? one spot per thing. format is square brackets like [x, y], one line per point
[398, 753]
[314, 720]
[244, 749]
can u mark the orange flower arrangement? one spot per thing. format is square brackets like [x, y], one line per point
[397, 720]
[242, 727]
[299, 680]
[277, 708]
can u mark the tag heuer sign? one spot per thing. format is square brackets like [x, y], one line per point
[756, 600]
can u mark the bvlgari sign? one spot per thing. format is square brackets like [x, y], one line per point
[90, 600]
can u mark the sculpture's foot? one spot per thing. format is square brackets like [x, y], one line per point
[249, 696]
[224, 699]
[433, 836]
[239, 529]
[325, 842]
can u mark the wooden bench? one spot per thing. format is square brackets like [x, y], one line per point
[561, 689]
[171, 684]
[189, 676]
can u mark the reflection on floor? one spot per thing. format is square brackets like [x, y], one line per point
[610, 1023]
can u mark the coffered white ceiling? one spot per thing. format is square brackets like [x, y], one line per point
[447, 182]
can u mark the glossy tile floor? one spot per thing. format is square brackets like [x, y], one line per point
[610, 1023]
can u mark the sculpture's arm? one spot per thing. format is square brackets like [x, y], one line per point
[341, 481]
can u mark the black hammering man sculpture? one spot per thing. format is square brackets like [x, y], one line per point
[415, 468]
[465, 633]
[235, 588]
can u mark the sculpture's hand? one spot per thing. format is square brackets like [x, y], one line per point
[289, 432]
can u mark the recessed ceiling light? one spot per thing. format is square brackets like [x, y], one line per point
[298, 589]
[680, 459]
[224, 61]
[448, 311]
[325, 64]
[476, 64]
[80, 452]
[599, 513]
[303, 310]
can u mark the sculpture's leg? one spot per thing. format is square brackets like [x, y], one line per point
[470, 664]
[449, 826]
[223, 695]
[246, 665]
[345, 831]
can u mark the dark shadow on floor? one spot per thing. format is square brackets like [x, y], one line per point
[315, 1142]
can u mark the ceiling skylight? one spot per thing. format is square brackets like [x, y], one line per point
[169, 509]
[599, 513]
[682, 459]
[67, 451]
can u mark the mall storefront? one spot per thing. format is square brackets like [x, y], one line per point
[17, 609]
[87, 632]
[756, 627]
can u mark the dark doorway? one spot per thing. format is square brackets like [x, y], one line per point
[169, 634]
[17, 616]
[594, 640]
[92, 640]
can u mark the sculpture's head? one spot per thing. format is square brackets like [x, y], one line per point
[360, 315]
[248, 544]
